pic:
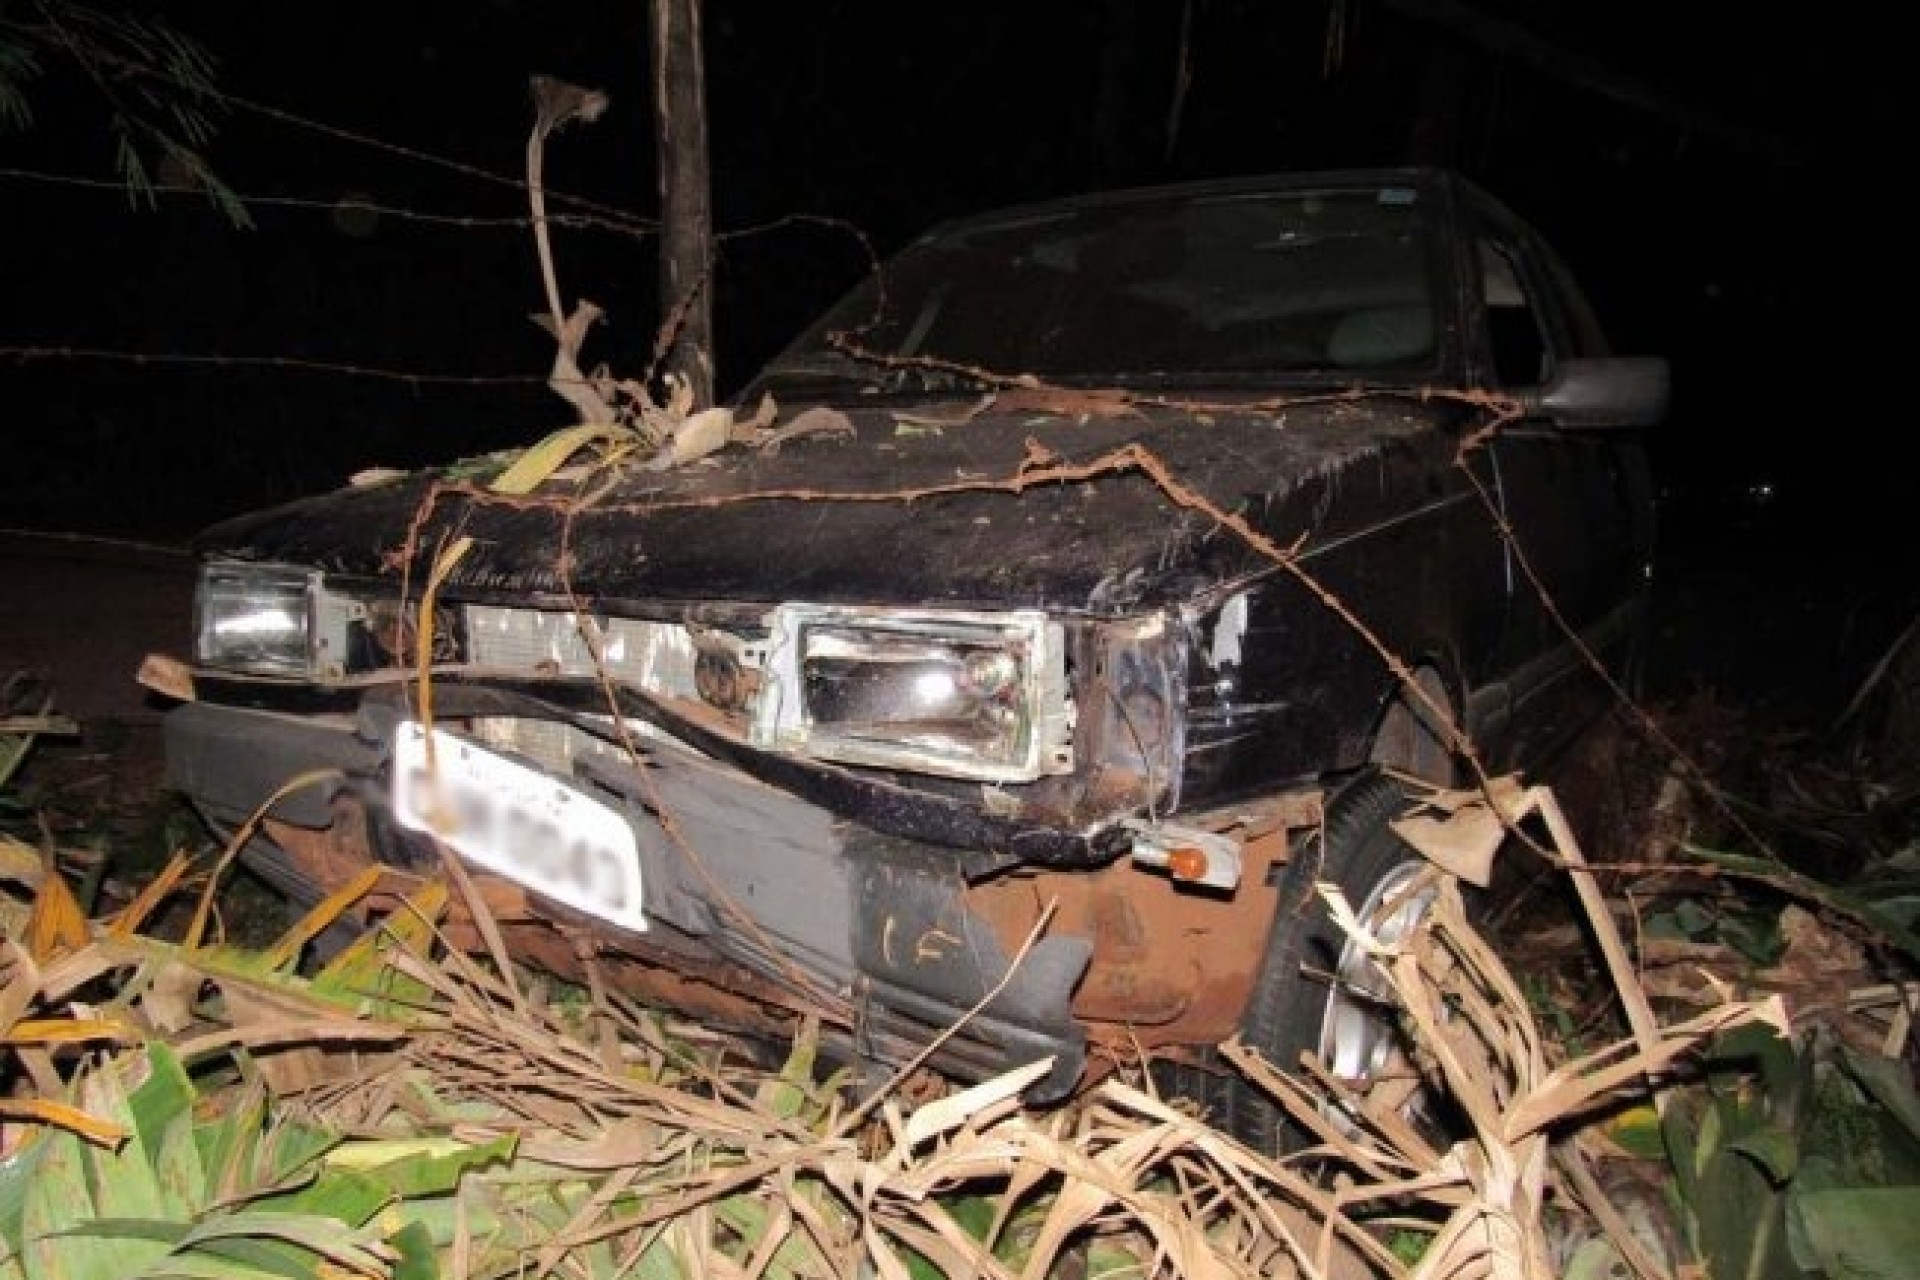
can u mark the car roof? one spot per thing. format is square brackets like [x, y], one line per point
[1423, 176]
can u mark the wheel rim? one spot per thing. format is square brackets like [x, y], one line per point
[1359, 1033]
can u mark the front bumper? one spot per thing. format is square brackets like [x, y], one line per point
[765, 877]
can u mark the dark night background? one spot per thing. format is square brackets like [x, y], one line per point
[1680, 156]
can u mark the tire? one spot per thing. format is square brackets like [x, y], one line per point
[1295, 1008]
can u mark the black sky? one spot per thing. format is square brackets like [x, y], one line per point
[1677, 159]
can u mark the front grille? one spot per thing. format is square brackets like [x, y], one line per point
[653, 657]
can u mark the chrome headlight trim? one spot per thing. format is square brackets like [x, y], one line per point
[270, 619]
[956, 694]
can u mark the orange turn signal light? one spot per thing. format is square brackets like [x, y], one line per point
[1187, 863]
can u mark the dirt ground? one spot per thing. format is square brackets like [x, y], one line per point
[80, 613]
[83, 611]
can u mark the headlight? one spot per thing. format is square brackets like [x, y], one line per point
[967, 695]
[271, 620]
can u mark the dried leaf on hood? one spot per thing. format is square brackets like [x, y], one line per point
[951, 418]
[692, 438]
[1067, 402]
[763, 414]
[815, 421]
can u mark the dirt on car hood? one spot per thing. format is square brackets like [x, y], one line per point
[960, 503]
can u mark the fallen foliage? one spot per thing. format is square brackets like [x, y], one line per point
[183, 1107]
[407, 1111]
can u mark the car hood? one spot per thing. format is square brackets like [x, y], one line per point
[1093, 504]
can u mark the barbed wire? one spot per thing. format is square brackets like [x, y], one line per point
[598, 213]
[281, 115]
[638, 229]
[31, 354]
[41, 352]
[635, 227]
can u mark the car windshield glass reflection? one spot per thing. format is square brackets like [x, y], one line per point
[1239, 284]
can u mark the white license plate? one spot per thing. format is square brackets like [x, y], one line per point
[520, 823]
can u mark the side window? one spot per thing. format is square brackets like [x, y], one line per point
[1515, 328]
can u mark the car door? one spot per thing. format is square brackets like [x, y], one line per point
[1577, 500]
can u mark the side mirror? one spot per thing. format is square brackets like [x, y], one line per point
[1617, 391]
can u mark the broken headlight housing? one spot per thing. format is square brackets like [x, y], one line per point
[965, 695]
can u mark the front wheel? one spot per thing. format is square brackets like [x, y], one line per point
[1318, 991]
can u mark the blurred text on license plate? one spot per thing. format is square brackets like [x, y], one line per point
[520, 823]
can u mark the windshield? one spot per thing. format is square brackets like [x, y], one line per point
[1224, 284]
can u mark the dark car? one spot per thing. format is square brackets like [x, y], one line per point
[1158, 547]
